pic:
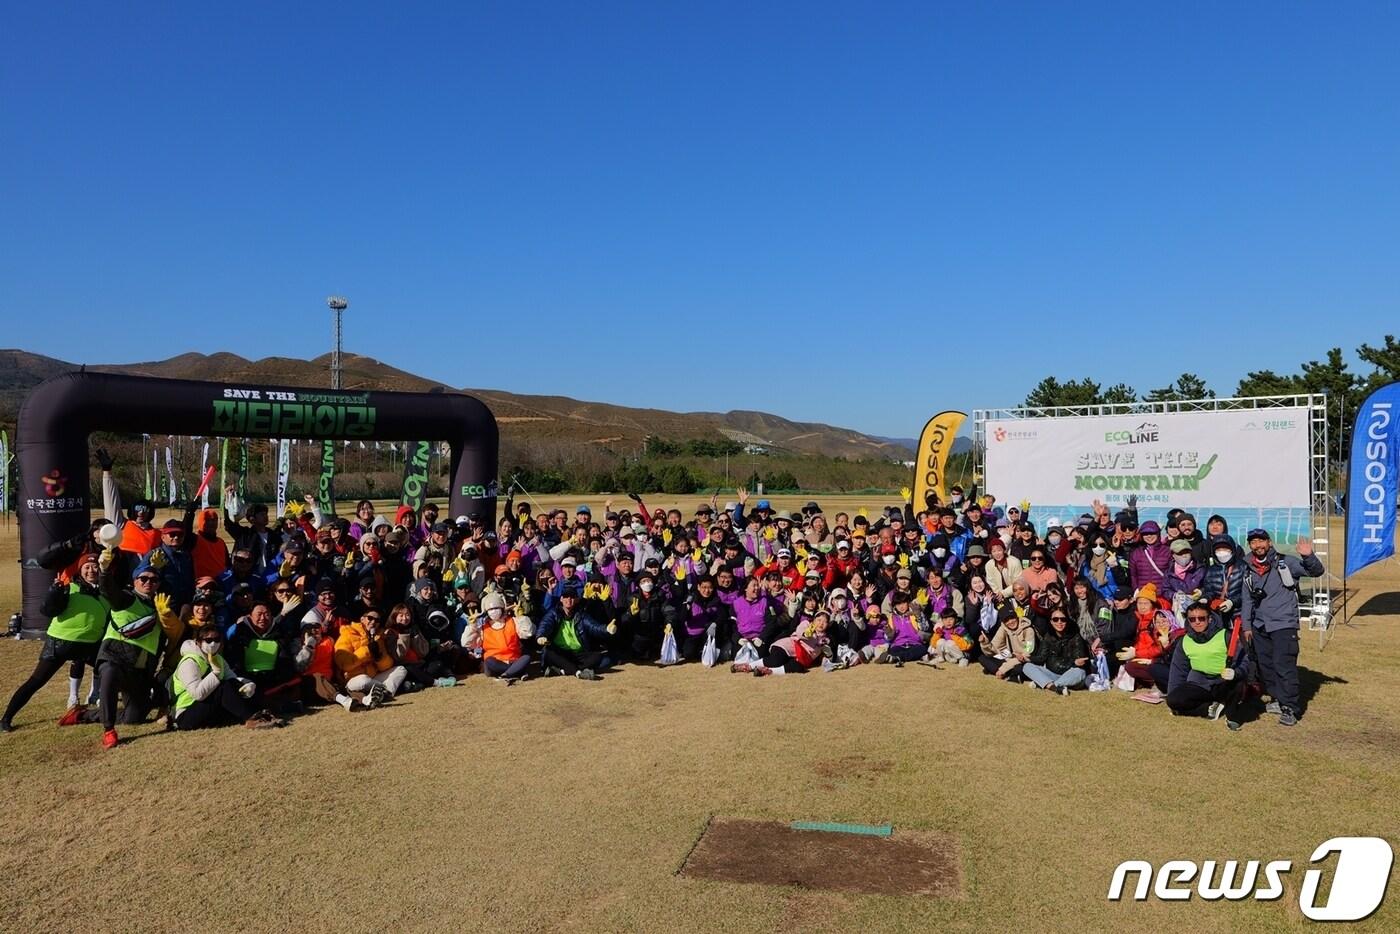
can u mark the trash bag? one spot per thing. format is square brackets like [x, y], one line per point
[1125, 681]
[670, 652]
[747, 655]
[709, 655]
[1101, 666]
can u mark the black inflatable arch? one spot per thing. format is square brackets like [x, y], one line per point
[54, 423]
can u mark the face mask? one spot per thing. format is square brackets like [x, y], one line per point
[1099, 549]
[647, 586]
[209, 648]
[1183, 560]
[981, 533]
[1055, 539]
[957, 498]
[888, 559]
[495, 612]
[1224, 557]
[839, 601]
[940, 552]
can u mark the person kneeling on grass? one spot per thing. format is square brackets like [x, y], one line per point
[1208, 672]
[569, 638]
[1061, 657]
[500, 634]
[208, 693]
[798, 652]
[363, 659]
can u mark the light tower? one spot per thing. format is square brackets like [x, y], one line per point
[337, 306]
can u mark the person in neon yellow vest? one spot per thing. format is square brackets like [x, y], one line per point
[130, 649]
[1209, 668]
[208, 693]
[78, 617]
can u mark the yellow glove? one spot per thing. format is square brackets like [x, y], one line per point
[1025, 507]
[863, 512]
[680, 572]
[636, 605]
[666, 536]
[285, 570]
[158, 559]
[163, 608]
[770, 533]
[801, 550]
[922, 598]
[612, 629]
[104, 560]
[907, 493]
[903, 560]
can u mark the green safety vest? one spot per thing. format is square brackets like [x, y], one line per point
[83, 619]
[1206, 657]
[260, 656]
[139, 609]
[567, 637]
[184, 698]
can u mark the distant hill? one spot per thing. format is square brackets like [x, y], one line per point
[524, 419]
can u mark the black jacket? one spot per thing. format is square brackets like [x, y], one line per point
[1059, 651]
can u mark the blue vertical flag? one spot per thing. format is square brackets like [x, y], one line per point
[1372, 485]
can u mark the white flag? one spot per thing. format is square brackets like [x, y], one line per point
[284, 467]
[204, 466]
[170, 473]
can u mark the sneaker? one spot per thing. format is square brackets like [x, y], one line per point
[587, 674]
[962, 663]
[524, 676]
[1214, 711]
[1064, 690]
[445, 683]
[740, 668]
[374, 696]
[348, 703]
[109, 739]
[896, 662]
[1287, 717]
[827, 665]
[1234, 725]
[760, 671]
[1273, 707]
[262, 720]
[1030, 684]
[71, 716]
[6, 726]
[552, 672]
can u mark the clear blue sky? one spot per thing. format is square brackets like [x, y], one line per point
[937, 203]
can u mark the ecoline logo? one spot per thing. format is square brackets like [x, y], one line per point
[1146, 433]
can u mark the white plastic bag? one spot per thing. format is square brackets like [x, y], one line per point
[670, 653]
[1124, 681]
[747, 655]
[709, 655]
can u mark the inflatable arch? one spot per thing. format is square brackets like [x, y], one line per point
[54, 423]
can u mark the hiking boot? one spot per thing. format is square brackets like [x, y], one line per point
[1273, 707]
[1214, 711]
[587, 674]
[109, 739]
[72, 716]
[1287, 717]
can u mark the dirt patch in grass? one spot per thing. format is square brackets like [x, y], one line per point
[772, 853]
[852, 768]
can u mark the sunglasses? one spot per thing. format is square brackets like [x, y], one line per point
[1059, 619]
[1037, 557]
[147, 579]
[283, 590]
[372, 619]
[1198, 618]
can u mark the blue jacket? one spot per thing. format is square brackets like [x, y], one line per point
[592, 635]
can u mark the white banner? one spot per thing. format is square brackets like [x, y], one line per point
[170, 474]
[284, 468]
[204, 466]
[4, 474]
[1248, 465]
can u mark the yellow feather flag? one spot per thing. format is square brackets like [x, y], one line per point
[935, 444]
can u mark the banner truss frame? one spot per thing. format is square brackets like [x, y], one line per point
[1316, 605]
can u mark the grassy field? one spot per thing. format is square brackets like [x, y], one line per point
[561, 805]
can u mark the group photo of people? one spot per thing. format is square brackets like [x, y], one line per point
[237, 616]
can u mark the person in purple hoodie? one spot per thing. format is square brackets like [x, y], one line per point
[705, 614]
[758, 618]
[1150, 562]
[907, 639]
[1185, 576]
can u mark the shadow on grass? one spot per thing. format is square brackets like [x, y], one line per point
[1310, 682]
[1382, 604]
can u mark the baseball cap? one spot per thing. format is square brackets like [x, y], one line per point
[1252, 534]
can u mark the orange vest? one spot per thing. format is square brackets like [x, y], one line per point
[322, 660]
[139, 541]
[210, 558]
[501, 644]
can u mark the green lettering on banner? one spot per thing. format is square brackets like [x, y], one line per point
[325, 488]
[259, 419]
[415, 474]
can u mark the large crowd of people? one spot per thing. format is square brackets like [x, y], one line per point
[307, 609]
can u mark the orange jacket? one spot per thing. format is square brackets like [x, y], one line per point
[139, 541]
[353, 655]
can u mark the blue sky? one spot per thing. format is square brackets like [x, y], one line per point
[938, 203]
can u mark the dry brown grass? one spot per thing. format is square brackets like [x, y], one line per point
[560, 805]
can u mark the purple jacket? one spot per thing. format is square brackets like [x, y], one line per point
[698, 616]
[906, 632]
[1189, 583]
[749, 617]
[1149, 564]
